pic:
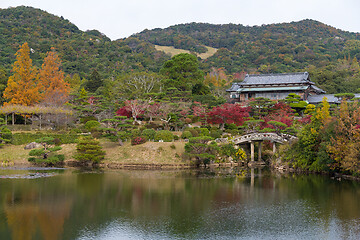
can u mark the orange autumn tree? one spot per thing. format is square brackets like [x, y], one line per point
[22, 86]
[53, 88]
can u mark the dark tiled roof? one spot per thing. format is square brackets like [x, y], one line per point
[256, 80]
[234, 87]
[317, 90]
[315, 99]
[281, 78]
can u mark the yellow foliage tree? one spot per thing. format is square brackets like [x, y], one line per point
[22, 86]
[52, 83]
[345, 144]
[323, 113]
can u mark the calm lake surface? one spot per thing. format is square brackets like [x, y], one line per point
[74, 204]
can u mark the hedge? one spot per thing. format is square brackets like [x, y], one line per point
[164, 135]
[25, 138]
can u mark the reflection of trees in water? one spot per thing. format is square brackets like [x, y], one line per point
[328, 199]
[30, 211]
[178, 203]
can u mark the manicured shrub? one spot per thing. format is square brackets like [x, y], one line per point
[88, 150]
[228, 150]
[176, 137]
[149, 133]
[186, 135]
[138, 140]
[164, 135]
[123, 135]
[92, 125]
[46, 155]
[233, 132]
[200, 151]
[111, 137]
[204, 132]
[215, 133]
[231, 126]
[135, 133]
[5, 135]
[86, 119]
[194, 132]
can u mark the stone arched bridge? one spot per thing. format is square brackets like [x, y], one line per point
[259, 137]
[262, 137]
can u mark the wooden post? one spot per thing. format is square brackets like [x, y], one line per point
[259, 151]
[252, 150]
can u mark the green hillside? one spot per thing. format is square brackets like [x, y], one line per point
[80, 51]
[329, 54]
[266, 48]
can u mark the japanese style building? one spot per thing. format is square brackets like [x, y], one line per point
[274, 86]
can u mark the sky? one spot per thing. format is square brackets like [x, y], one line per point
[119, 18]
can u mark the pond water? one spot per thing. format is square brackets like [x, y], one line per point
[226, 204]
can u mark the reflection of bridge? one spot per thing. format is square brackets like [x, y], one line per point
[259, 137]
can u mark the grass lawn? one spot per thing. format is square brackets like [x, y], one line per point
[14, 154]
[147, 153]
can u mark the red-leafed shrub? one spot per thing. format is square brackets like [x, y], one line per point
[123, 112]
[138, 140]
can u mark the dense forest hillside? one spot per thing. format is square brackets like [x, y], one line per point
[329, 54]
[81, 52]
[267, 48]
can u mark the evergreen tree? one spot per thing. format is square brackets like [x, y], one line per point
[88, 150]
[182, 72]
[95, 81]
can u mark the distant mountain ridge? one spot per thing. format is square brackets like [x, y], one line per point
[278, 47]
[286, 47]
[81, 52]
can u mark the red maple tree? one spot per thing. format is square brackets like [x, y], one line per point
[228, 113]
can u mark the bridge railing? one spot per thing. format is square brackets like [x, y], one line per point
[263, 136]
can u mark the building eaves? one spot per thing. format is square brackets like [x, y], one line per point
[272, 89]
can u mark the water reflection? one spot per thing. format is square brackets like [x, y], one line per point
[222, 204]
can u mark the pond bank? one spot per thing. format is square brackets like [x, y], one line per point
[284, 168]
[150, 155]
